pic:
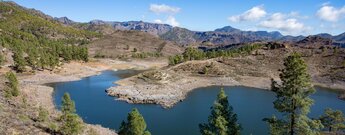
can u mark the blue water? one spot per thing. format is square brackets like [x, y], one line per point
[250, 104]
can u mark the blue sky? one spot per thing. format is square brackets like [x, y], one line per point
[291, 17]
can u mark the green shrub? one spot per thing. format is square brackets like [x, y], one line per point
[12, 85]
[2, 59]
[42, 114]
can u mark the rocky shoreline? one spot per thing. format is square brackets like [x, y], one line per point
[169, 94]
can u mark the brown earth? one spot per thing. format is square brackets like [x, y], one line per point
[121, 44]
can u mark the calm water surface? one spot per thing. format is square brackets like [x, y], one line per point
[250, 104]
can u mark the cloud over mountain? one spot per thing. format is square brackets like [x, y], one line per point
[252, 14]
[170, 20]
[162, 8]
[330, 13]
[168, 10]
[284, 23]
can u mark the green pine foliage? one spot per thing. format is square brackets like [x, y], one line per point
[71, 123]
[42, 114]
[293, 99]
[276, 126]
[12, 88]
[196, 54]
[222, 121]
[38, 41]
[143, 55]
[2, 59]
[333, 120]
[135, 124]
[19, 61]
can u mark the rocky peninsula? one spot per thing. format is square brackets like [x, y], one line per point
[170, 85]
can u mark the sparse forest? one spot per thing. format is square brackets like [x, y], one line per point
[196, 54]
[40, 43]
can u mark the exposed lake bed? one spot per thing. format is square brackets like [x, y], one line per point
[251, 105]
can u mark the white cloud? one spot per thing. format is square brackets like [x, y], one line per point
[162, 8]
[170, 20]
[158, 21]
[169, 11]
[252, 14]
[285, 24]
[329, 13]
[295, 14]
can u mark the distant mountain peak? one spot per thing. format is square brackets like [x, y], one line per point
[315, 40]
[227, 29]
[64, 20]
[98, 22]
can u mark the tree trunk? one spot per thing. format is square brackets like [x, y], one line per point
[292, 121]
[292, 124]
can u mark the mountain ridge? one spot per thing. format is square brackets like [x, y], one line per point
[220, 36]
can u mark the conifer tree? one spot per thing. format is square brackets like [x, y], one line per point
[72, 124]
[12, 85]
[42, 114]
[222, 121]
[2, 59]
[19, 61]
[135, 124]
[293, 99]
[333, 120]
[33, 57]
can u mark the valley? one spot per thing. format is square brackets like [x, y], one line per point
[166, 71]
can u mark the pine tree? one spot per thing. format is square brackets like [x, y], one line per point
[276, 126]
[19, 61]
[2, 59]
[72, 124]
[293, 99]
[33, 57]
[12, 85]
[67, 104]
[222, 121]
[333, 120]
[135, 124]
[42, 114]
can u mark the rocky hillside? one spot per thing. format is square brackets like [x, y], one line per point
[181, 36]
[125, 44]
[151, 28]
[315, 41]
[65, 20]
[30, 25]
